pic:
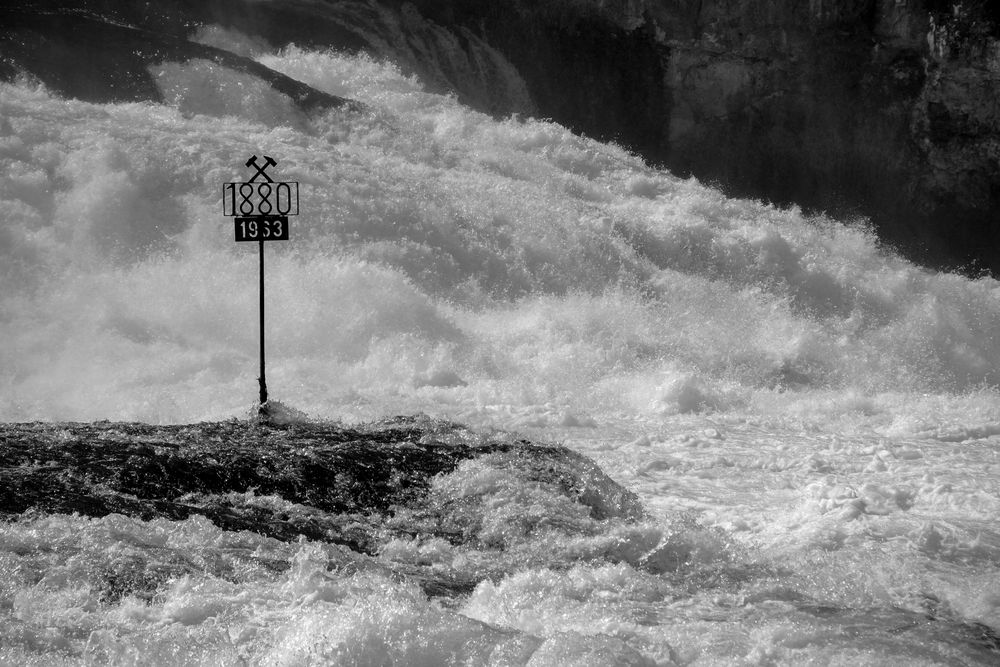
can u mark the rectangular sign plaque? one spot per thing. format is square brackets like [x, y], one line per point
[263, 198]
[262, 228]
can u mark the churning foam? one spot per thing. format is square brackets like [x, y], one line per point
[503, 272]
[444, 261]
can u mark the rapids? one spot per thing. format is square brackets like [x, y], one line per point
[816, 417]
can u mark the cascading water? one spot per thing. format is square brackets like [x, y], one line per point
[810, 420]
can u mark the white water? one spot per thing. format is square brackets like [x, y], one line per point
[816, 418]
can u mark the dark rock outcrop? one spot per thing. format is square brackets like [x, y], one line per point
[99, 59]
[363, 488]
[336, 484]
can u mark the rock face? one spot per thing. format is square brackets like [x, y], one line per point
[885, 108]
[367, 488]
[365, 473]
[888, 108]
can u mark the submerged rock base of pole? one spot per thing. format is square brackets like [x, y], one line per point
[276, 413]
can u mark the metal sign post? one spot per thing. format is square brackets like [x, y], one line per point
[260, 210]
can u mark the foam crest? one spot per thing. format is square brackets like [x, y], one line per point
[203, 87]
[509, 519]
[220, 597]
[544, 602]
[359, 77]
[116, 589]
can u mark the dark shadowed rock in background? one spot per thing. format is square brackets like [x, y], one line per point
[883, 108]
[78, 54]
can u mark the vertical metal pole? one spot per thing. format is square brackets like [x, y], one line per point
[261, 379]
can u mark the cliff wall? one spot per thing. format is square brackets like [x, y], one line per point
[884, 108]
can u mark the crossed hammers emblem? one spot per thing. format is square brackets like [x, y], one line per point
[268, 162]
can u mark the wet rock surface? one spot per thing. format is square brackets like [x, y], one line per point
[324, 482]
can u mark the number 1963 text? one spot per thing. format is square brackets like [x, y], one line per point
[262, 228]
